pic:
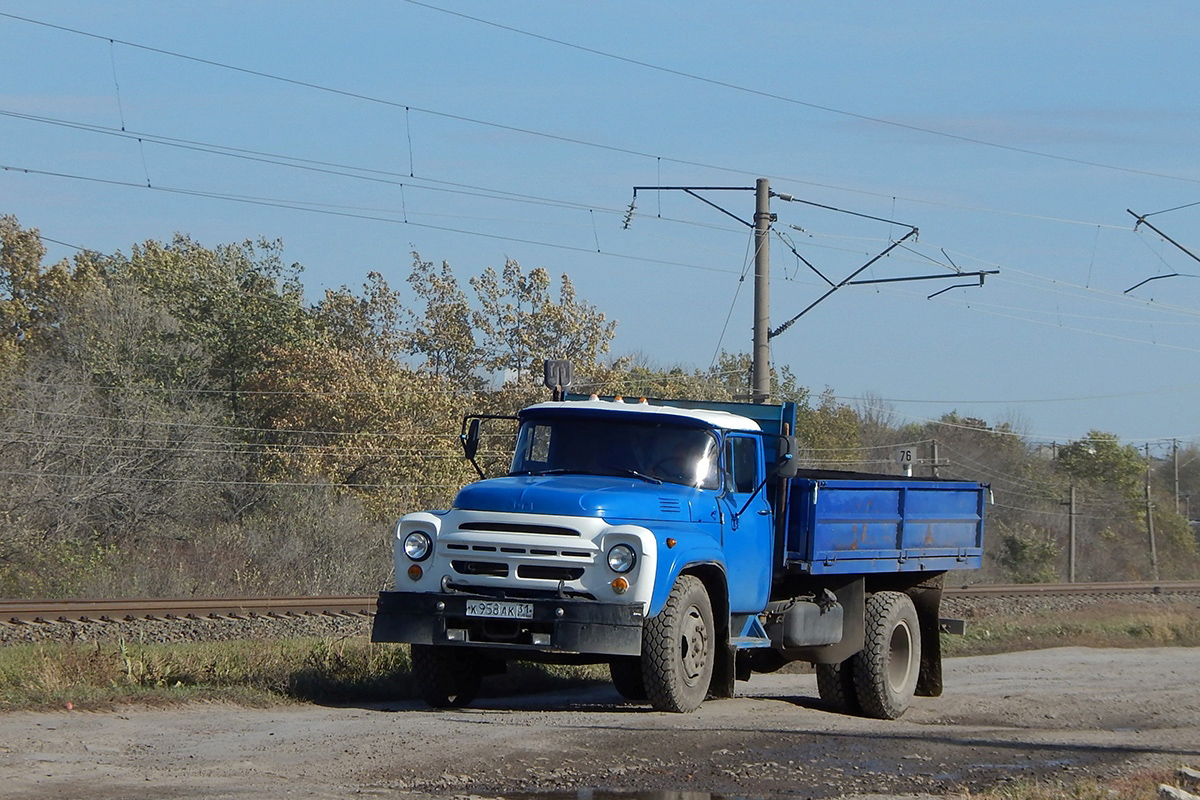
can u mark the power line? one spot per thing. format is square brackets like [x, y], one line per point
[1102, 334]
[1036, 437]
[378, 175]
[1178, 388]
[331, 210]
[1091, 292]
[344, 92]
[198, 482]
[176, 424]
[1057, 313]
[798, 102]
[312, 165]
[1168, 210]
[581, 142]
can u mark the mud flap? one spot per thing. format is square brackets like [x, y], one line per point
[927, 597]
[724, 671]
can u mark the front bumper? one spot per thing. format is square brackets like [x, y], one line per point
[557, 626]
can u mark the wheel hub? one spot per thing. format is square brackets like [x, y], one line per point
[693, 646]
[899, 657]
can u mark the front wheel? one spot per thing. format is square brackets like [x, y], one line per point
[678, 646]
[886, 669]
[444, 678]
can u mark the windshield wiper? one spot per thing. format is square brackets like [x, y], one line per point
[633, 473]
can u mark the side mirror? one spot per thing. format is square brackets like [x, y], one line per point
[787, 465]
[470, 439]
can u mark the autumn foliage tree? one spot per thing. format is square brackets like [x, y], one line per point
[521, 323]
[440, 331]
[183, 419]
[171, 405]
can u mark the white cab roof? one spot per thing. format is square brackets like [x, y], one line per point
[717, 419]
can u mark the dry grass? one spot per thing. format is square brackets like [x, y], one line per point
[1112, 625]
[100, 676]
[336, 670]
[1135, 786]
[97, 675]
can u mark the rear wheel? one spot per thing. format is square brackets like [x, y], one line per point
[835, 685]
[444, 677]
[678, 646]
[886, 670]
[626, 674]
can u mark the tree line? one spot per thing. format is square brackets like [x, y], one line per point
[184, 420]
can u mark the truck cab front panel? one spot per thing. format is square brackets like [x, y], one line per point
[511, 555]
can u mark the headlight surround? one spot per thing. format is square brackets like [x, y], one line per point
[621, 558]
[418, 546]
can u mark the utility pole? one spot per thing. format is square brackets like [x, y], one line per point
[760, 390]
[1175, 459]
[760, 358]
[1150, 518]
[1071, 536]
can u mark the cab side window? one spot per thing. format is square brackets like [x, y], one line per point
[741, 461]
[539, 444]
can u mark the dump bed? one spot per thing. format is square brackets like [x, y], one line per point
[847, 522]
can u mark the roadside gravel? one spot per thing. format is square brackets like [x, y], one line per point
[1061, 714]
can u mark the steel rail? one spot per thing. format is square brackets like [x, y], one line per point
[17, 612]
[1049, 589]
[174, 608]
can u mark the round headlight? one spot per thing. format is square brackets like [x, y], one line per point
[621, 558]
[418, 545]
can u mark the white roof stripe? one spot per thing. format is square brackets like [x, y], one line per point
[717, 419]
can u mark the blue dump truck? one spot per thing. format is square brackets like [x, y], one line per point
[680, 543]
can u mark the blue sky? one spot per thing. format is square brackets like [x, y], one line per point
[1014, 136]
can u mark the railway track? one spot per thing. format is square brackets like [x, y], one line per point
[27, 612]
[20, 612]
[1097, 589]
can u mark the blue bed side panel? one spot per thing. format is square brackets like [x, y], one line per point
[850, 526]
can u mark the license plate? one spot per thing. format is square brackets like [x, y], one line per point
[499, 608]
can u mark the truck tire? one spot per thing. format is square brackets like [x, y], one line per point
[886, 669]
[626, 674]
[835, 685]
[678, 647]
[444, 678]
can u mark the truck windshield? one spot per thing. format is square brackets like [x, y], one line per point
[652, 451]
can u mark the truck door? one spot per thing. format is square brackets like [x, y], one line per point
[746, 537]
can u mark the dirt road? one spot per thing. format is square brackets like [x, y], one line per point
[1066, 713]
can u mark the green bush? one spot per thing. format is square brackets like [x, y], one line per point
[1027, 554]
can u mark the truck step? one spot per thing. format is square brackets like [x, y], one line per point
[752, 632]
